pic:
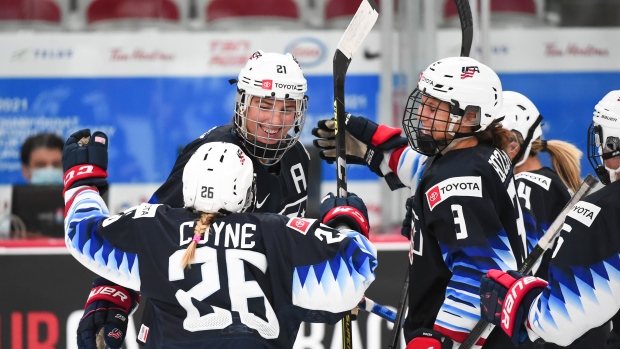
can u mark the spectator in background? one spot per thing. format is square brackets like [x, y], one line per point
[41, 157]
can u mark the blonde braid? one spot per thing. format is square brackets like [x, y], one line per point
[202, 225]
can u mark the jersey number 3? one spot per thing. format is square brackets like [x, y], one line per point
[239, 291]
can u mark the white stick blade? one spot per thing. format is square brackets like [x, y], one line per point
[361, 24]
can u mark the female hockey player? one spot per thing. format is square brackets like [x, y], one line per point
[465, 217]
[542, 191]
[267, 123]
[217, 277]
[582, 291]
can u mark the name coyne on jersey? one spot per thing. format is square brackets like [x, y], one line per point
[457, 186]
[227, 235]
[584, 212]
[501, 163]
[543, 181]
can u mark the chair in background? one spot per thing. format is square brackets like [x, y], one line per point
[33, 14]
[134, 14]
[504, 13]
[243, 14]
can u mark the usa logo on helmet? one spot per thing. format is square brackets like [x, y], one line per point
[468, 72]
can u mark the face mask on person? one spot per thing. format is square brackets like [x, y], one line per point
[46, 175]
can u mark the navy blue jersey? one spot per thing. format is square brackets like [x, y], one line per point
[542, 196]
[281, 188]
[255, 276]
[466, 220]
[584, 274]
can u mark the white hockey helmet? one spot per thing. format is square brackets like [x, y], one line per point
[277, 78]
[219, 177]
[521, 115]
[604, 136]
[467, 85]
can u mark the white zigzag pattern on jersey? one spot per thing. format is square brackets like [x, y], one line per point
[118, 273]
[569, 317]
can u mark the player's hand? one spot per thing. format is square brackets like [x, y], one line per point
[505, 300]
[429, 339]
[85, 160]
[325, 134]
[365, 140]
[107, 308]
[350, 211]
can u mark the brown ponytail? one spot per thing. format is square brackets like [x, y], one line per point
[565, 158]
[202, 225]
[495, 134]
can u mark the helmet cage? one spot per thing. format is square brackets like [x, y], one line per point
[427, 140]
[601, 149]
[269, 133]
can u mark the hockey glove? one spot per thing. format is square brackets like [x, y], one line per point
[505, 300]
[366, 142]
[350, 211]
[424, 338]
[108, 308]
[85, 160]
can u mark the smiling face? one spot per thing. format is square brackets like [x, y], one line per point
[269, 120]
[434, 118]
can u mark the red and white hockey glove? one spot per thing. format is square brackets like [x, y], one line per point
[350, 211]
[505, 300]
[424, 338]
[108, 308]
[366, 143]
[85, 160]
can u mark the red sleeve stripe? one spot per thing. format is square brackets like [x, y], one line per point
[69, 203]
[395, 158]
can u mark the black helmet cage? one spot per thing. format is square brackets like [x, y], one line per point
[271, 153]
[425, 143]
[601, 149]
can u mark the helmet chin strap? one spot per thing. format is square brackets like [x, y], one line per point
[453, 144]
[613, 174]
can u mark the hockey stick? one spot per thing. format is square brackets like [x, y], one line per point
[467, 26]
[356, 32]
[545, 242]
[402, 304]
[370, 306]
[361, 24]
[467, 37]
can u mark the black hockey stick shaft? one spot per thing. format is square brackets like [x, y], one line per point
[364, 19]
[545, 242]
[467, 26]
[341, 65]
[400, 315]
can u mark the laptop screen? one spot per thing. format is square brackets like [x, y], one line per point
[39, 210]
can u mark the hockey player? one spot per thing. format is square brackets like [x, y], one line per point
[583, 289]
[269, 115]
[217, 277]
[465, 217]
[542, 191]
